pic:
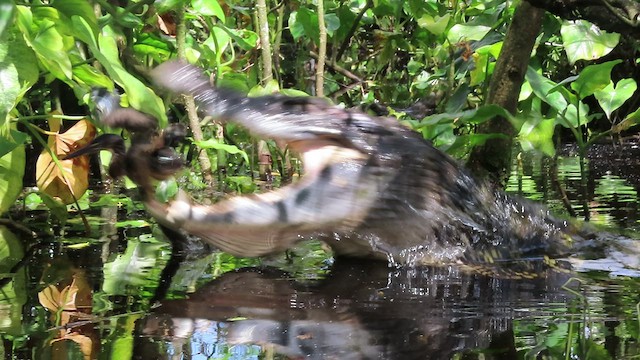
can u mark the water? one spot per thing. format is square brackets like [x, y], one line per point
[69, 296]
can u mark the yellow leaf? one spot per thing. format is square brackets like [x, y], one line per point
[55, 300]
[49, 297]
[71, 178]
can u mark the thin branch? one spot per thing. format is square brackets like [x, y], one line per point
[339, 69]
[190, 105]
[265, 44]
[322, 50]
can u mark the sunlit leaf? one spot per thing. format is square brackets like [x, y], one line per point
[593, 78]
[82, 8]
[435, 24]
[583, 40]
[51, 48]
[612, 97]
[69, 179]
[106, 51]
[270, 88]
[11, 173]
[246, 39]
[9, 83]
[462, 32]
[7, 9]
[215, 144]
[209, 8]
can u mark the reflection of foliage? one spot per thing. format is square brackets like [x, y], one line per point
[66, 308]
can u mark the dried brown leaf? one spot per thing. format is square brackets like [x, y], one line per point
[56, 300]
[83, 341]
[71, 178]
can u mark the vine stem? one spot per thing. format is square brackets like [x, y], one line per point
[265, 45]
[322, 51]
[190, 105]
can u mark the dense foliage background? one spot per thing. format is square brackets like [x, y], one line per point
[429, 63]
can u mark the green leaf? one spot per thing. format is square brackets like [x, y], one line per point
[11, 172]
[9, 84]
[215, 144]
[631, 120]
[583, 40]
[217, 41]
[332, 23]
[106, 51]
[7, 9]
[593, 78]
[246, 39]
[270, 88]
[537, 133]
[89, 75]
[437, 25]
[8, 144]
[474, 116]
[209, 8]
[304, 22]
[612, 97]
[461, 32]
[164, 6]
[82, 8]
[293, 93]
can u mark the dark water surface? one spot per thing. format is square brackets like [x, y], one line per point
[73, 297]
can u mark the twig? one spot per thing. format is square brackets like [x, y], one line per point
[190, 105]
[322, 50]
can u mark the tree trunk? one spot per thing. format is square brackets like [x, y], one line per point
[493, 159]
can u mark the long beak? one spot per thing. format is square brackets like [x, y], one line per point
[109, 142]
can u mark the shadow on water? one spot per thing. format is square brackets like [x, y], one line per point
[73, 297]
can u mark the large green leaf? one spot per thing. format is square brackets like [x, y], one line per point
[583, 40]
[9, 84]
[435, 24]
[7, 9]
[560, 99]
[209, 8]
[41, 31]
[304, 23]
[474, 116]
[462, 32]
[593, 78]
[612, 97]
[9, 143]
[215, 144]
[11, 172]
[105, 49]
[82, 8]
